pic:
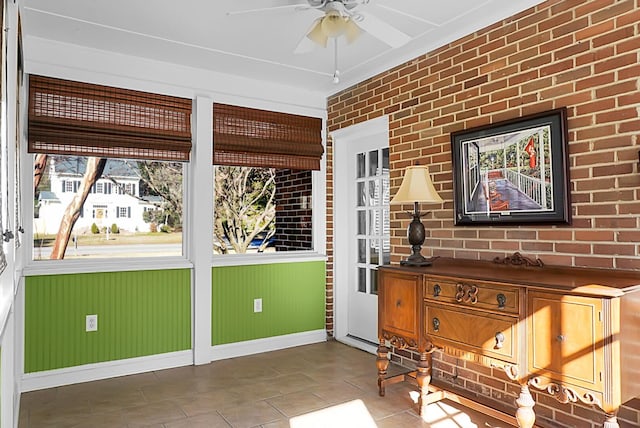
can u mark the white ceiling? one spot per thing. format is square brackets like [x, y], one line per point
[257, 45]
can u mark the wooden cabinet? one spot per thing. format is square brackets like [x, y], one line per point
[571, 332]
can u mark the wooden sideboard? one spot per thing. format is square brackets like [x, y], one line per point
[572, 332]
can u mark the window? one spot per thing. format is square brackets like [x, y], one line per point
[124, 212]
[96, 136]
[264, 163]
[130, 189]
[137, 221]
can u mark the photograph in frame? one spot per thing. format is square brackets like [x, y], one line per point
[513, 172]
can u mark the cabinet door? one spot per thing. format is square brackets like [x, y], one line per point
[566, 339]
[399, 295]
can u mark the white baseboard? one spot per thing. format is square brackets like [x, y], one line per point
[257, 346]
[97, 371]
[364, 346]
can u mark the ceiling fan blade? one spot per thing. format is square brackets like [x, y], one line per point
[300, 3]
[311, 37]
[382, 31]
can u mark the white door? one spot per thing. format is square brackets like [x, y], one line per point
[360, 228]
[369, 245]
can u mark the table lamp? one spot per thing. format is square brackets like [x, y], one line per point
[416, 187]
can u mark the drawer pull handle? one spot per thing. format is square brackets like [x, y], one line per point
[436, 290]
[398, 303]
[466, 293]
[436, 324]
[561, 338]
[502, 300]
[499, 340]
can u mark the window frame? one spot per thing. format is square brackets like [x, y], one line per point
[113, 264]
[318, 224]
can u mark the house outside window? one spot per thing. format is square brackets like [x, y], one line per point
[128, 216]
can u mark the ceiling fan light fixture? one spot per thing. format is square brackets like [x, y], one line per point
[334, 24]
[352, 31]
[317, 34]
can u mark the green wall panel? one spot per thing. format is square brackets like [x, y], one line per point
[293, 300]
[139, 313]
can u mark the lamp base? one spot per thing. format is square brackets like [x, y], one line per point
[416, 262]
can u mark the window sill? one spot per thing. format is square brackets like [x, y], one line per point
[59, 267]
[263, 259]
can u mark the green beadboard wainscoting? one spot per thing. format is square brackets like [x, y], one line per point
[140, 313]
[293, 300]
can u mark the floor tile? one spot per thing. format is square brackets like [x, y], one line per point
[259, 413]
[306, 383]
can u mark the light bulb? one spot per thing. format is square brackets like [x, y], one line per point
[334, 24]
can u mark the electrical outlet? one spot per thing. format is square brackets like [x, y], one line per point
[257, 305]
[92, 323]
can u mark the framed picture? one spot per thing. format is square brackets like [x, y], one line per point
[513, 172]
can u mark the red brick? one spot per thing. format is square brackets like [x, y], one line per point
[591, 69]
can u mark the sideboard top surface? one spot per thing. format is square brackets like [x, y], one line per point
[601, 282]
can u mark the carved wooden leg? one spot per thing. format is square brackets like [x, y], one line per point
[525, 414]
[423, 377]
[383, 363]
[611, 421]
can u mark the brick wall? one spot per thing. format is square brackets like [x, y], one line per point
[293, 210]
[583, 55]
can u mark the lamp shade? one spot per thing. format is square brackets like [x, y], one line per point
[334, 24]
[416, 187]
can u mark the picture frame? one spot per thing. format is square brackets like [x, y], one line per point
[513, 172]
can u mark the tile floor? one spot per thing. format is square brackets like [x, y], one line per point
[314, 386]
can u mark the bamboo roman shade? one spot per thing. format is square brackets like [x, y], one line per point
[249, 137]
[84, 119]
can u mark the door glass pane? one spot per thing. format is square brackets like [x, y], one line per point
[375, 222]
[362, 222]
[362, 250]
[360, 165]
[385, 191]
[386, 251]
[373, 163]
[374, 281]
[362, 280]
[374, 192]
[360, 194]
[374, 255]
[385, 161]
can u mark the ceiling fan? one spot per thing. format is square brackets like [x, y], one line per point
[340, 18]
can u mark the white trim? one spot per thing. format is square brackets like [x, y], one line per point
[257, 346]
[355, 343]
[266, 258]
[98, 371]
[362, 129]
[341, 139]
[200, 232]
[59, 267]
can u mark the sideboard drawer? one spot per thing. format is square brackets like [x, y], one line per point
[490, 335]
[474, 294]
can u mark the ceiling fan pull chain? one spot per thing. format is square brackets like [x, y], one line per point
[336, 73]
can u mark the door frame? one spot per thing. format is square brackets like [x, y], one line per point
[341, 140]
